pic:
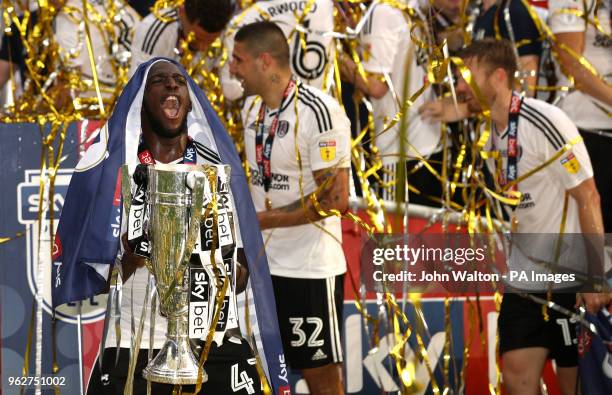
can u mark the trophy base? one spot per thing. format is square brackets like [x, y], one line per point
[174, 364]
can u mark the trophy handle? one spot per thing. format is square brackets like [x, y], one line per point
[195, 182]
[126, 187]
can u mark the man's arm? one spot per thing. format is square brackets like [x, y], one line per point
[589, 207]
[242, 271]
[529, 64]
[443, 110]
[332, 193]
[585, 80]
[373, 85]
[591, 224]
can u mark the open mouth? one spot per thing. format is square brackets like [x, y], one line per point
[171, 106]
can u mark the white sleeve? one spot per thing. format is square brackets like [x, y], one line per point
[67, 37]
[331, 148]
[561, 22]
[232, 88]
[574, 166]
[380, 38]
[138, 56]
[248, 112]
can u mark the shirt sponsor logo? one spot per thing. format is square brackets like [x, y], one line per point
[279, 182]
[526, 201]
[571, 164]
[327, 149]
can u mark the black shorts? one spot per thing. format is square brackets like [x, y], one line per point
[521, 325]
[230, 369]
[310, 319]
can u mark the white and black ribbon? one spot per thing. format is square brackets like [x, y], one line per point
[203, 279]
[136, 234]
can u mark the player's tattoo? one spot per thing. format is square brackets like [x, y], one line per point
[275, 78]
[325, 195]
[292, 206]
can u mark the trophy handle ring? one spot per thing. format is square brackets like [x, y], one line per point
[195, 181]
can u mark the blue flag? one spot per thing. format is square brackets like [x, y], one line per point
[595, 350]
[88, 233]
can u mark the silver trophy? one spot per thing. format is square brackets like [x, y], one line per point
[174, 199]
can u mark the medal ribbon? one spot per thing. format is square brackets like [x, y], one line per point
[146, 158]
[263, 152]
[512, 144]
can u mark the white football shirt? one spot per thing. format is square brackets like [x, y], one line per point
[155, 37]
[323, 140]
[389, 50]
[70, 35]
[543, 130]
[586, 111]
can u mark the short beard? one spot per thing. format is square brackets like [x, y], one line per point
[157, 126]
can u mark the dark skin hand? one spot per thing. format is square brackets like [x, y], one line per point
[130, 262]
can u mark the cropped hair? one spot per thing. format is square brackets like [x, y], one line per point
[493, 54]
[210, 15]
[260, 37]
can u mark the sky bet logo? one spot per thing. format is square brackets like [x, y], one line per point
[199, 286]
[190, 155]
[28, 200]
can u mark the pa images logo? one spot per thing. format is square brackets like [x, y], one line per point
[38, 250]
